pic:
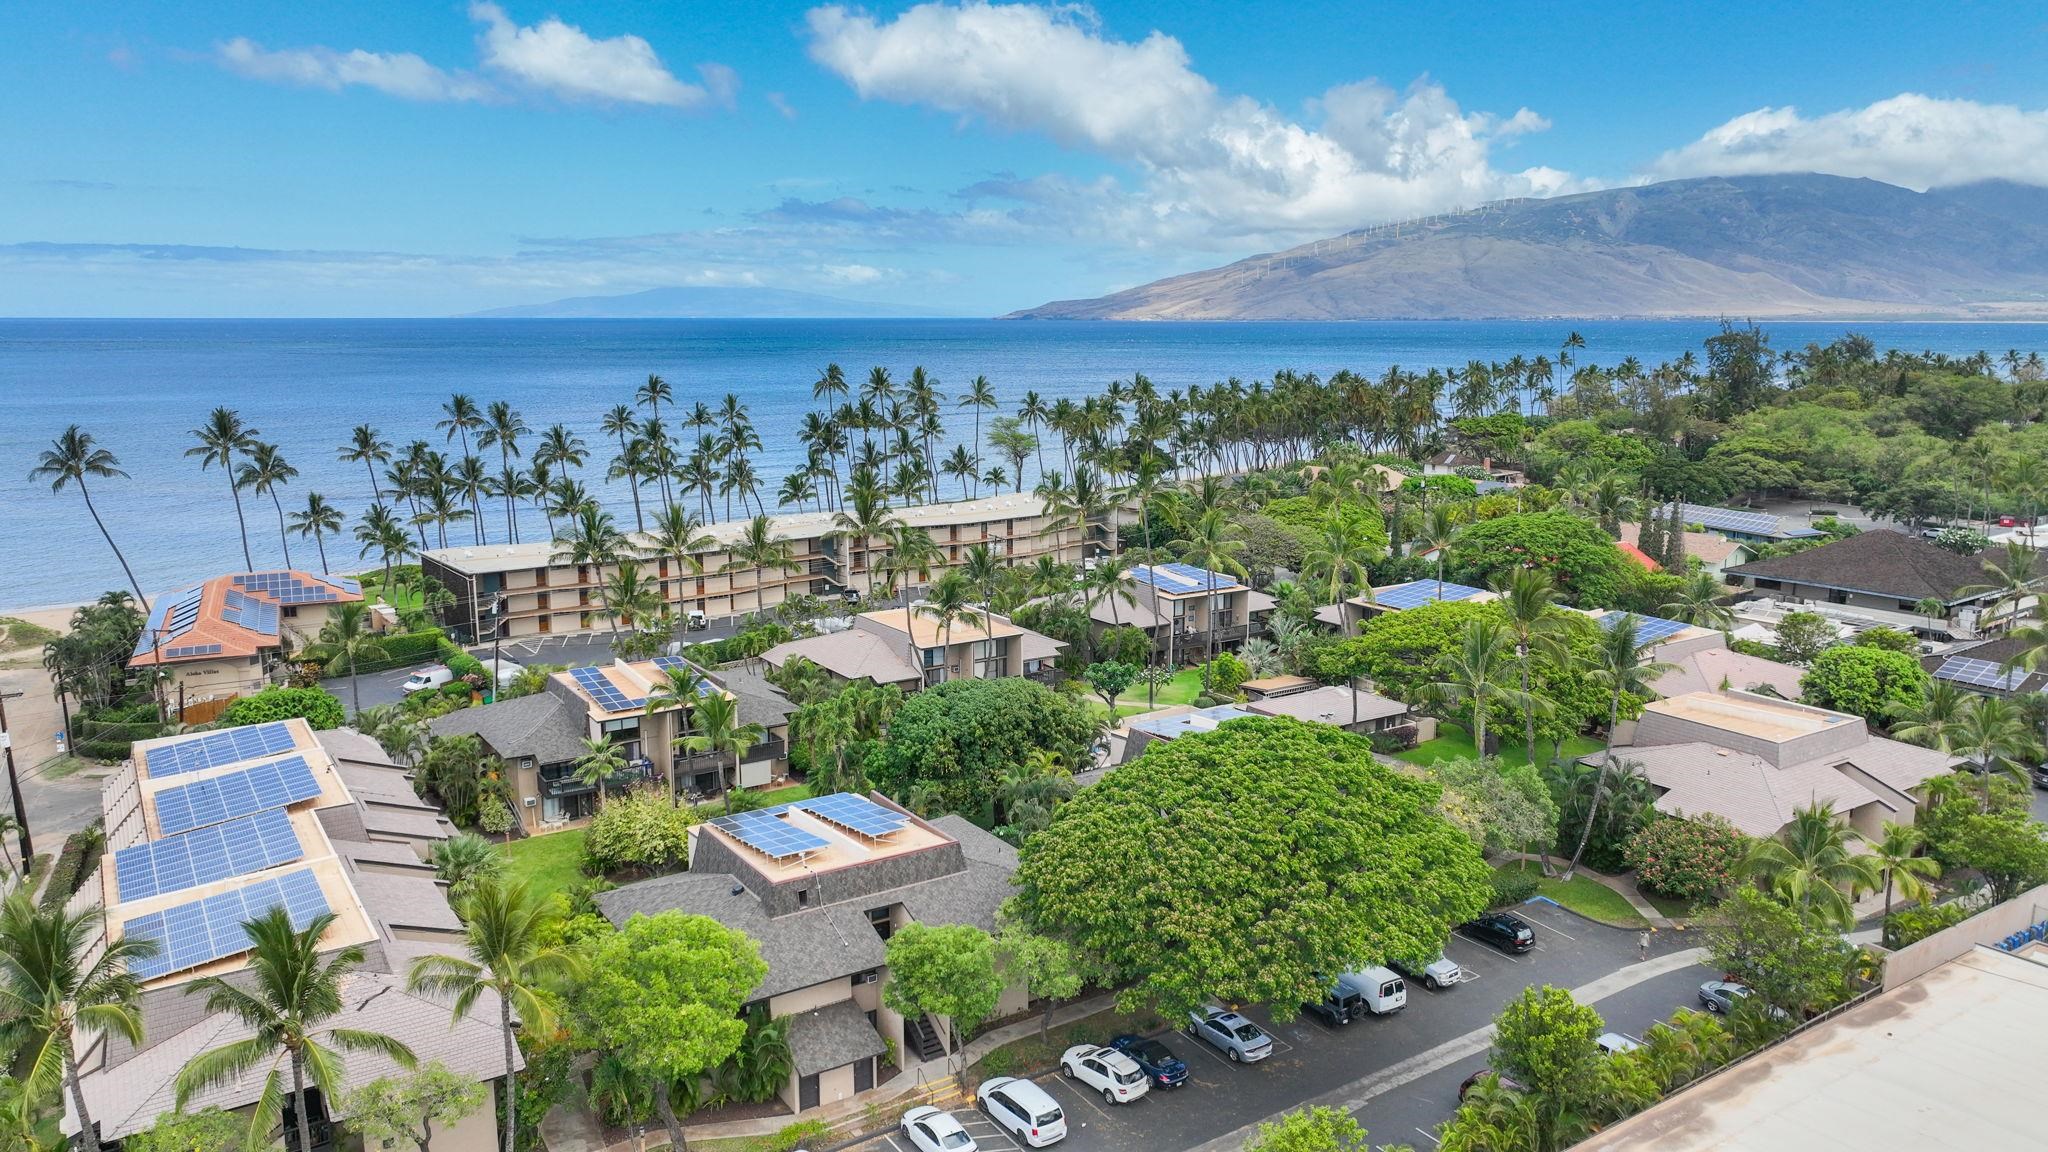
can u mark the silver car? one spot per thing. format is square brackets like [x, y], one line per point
[1230, 1033]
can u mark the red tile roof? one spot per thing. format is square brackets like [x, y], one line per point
[232, 616]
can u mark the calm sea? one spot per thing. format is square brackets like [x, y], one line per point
[139, 386]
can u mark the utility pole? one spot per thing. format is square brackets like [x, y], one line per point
[28, 850]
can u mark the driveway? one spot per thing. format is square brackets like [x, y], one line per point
[1435, 1032]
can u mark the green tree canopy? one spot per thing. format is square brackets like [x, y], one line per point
[1792, 966]
[944, 970]
[1248, 864]
[955, 739]
[1546, 1040]
[394, 1110]
[1873, 683]
[1503, 808]
[2010, 850]
[1579, 558]
[1803, 636]
[1313, 1129]
[206, 1130]
[320, 709]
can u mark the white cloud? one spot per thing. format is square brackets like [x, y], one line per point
[1911, 140]
[400, 74]
[853, 273]
[1215, 168]
[563, 59]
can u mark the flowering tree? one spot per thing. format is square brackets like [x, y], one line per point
[1687, 858]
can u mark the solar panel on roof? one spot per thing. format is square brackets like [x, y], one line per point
[1416, 593]
[606, 694]
[243, 793]
[202, 931]
[1980, 674]
[1649, 629]
[238, 847]
[215, 749]
[856, 814]
[767, 833]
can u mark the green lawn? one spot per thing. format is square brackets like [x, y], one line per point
[1182, 689]
[1456, 743]
[783, 795]
[552, 862]
[1589, 898]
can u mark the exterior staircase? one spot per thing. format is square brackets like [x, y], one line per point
[924, 1038]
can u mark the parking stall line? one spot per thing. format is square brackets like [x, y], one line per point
[1431, 1136]
[1087, 1098]
[1501, 955]
[1537, 922]
[1201, 1045]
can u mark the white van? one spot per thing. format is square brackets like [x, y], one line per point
[507, 671]
[1022, 1109]
[1382, 989]
[426, 679]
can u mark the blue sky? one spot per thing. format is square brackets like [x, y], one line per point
[432, 157]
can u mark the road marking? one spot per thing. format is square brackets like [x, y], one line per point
[1496, 953]
[1086, 1096]
[1431, 1136]
[890, 1139]
[1355, 1095]
[1538, 923]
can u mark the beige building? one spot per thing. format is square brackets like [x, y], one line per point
[1346, 615]
[822, 884]
[1753, 759]
[207, 830]
[224, 636]
[880, 646]
[540, 737]
[522, 590]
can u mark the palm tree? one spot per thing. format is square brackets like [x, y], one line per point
[1439, 529]
[1527, 599]
[949, 601]
[865, 518]
[825, 727]
[1212, 542]
[981, 397]
[503, 427]
[759, 549]
[1898, 854]
[222, 438]
[1812, 867]
[1698, 602]
[1479, 674]
[679, 535]
[601, 760]
[264, 473]
[506, 929]
[367, 448]
[70, 458]
[1621, 665]
[678, 689]
[1992, 738]
[380, 531]
[1340, 558]
[719, 730]
[1933, 722]
[630, 600]
[593, 540]
[912, 556]
[346, 640]
[1110, 581]
[2014, 578]
[286, 999]
[55, 978]
[318, 519]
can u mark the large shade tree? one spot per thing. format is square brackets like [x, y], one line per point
[1248, 864]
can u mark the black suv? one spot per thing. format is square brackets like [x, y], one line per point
[1503, 931]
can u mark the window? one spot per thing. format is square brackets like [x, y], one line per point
[803, 897]
[934, 657]
[1771, 584]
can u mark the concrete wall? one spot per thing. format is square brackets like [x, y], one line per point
[806, 999]
[1986, 927]
[476, 1132]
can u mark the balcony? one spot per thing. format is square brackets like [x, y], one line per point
[559, 782]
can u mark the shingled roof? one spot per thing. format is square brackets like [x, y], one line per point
[1878, 563]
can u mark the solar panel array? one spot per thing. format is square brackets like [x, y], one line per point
[290, 588]
[1180, 578]
[203, 931]
[856, 814]
[767, 833]
[251, 613]
[604, 692]
[1416, 593]
[189, 650]
[217, 749]
[1737, 520]
[243, 793]
[236, 848]
[1980, 674]
[1649, 629]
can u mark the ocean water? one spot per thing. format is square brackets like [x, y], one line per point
[139, 386]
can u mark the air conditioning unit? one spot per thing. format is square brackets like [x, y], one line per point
[528, 801]
[867, 978]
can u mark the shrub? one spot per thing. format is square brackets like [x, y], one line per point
[797, 1135]
[1512, 886]
[638, 830]
[1226, 674]
[208, 1130]
[1685, 858]
[463, 664]
[318, 708]
[1912, 925]
[998, 1062]
[75, 863]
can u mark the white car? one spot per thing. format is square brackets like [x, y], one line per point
[1022, 1109]
[1614, 1043]
[934, 1130]
[1106, 1070]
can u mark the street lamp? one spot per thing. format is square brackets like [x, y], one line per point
[497, 633]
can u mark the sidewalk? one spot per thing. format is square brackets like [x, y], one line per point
[1621, 886]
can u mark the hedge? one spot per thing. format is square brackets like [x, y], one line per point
[1912, 925]
[319, 709]
[403, 648]
[1512, 886]
[75, 863]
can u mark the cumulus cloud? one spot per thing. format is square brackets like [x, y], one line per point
[400, 74]
[1911, 140]
[1214, 167]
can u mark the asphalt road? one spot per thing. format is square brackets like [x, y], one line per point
[1312, 1060]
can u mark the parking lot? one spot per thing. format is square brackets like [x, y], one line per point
[1400, 1072]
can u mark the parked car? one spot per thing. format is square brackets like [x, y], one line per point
[1116, 1076]
[2041, 775]
[1154, 1059]
[1341, 1003]
[427, 678]
[694, 621]
[505, 672]
[1504, 931]
[1722, 995]
[1614, 1043]
[1380, 990]
[1022, 1109]
[1434, 975]
[1506, 1081]
[935, 1130]
[1230, 1033]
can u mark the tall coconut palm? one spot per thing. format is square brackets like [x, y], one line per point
[222, 439]
[864, 518]
[507, 929]
[983, 569]
[287, 1000]
[2014, 577]
[679, 535]
[1440, 529]
[601, 760]
[949, 601]
[760, 550]
[718, 730]
[1529, 601]
[1212, 542]
[1898, 854]
[980, 396]
[1110, 582]
[1812, 867]
[1993, 739]
[70, 459]
[319, 520]
[367, 448]
[503, 426]
[55, 977]
[1934, 720]
[1621, 664]
[380, 531]
[345, 641]
[630, 464]
[593, 539]
[912, 557]
[630, 600]
[264, 473]
[676, 691]
[1699, 602]
[1479, 673]
[1339, 560]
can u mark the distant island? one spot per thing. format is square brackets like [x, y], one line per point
[709, 303]
[1778, 247]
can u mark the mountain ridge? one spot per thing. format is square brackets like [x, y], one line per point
[1781, 247]
[709, 303]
